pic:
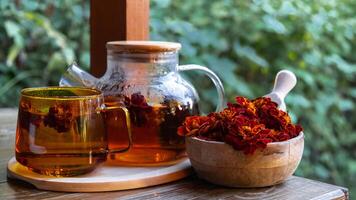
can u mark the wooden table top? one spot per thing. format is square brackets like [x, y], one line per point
[188, 188]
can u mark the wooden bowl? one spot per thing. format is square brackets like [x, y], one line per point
[219, 163]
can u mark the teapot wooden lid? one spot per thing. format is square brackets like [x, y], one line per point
[131, 46]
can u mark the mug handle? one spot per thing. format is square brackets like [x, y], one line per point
[213, 77]
[128, 125]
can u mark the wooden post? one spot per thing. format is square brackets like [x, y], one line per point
[112, 20]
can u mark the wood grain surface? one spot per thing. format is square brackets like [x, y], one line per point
[268, 167]
[106, 177]
[188, 188]
[113, 20]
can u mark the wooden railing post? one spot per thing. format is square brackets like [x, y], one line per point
[115, 20]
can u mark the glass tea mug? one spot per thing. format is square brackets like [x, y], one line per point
[61, 131]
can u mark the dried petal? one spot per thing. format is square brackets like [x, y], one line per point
[246, 125]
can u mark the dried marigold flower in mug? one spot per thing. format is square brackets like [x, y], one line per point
[59, 117]
[246, 125]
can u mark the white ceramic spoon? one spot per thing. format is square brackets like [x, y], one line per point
[283, 84]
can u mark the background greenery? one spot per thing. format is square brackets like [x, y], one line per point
[245, 42]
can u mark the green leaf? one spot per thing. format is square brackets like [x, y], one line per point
[341, 64]
[298, 101]
[13, 53]
[55, 61]
[353, 92]
[321, 171]
[249, 53]
[273, 24]
[12, 29]
[287, 8]
[346, 104]
[162, 3]
[13, 82]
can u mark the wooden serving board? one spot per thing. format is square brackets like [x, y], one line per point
[105, 178]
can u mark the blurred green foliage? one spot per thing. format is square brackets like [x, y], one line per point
[245, 42]
[38, 39]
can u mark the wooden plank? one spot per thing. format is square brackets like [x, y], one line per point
[137, 19]
[115, 20]
[7, 139]
[189, 188]
[5, 156]
[193, 188]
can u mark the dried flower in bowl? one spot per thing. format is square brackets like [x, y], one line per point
[246, 125]
[251, 143]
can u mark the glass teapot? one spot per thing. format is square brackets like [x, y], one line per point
[143, 76]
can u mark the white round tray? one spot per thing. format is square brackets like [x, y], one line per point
[105, 178]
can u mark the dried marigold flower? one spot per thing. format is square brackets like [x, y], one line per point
[59, 117]
[138, 108]
[246, 125]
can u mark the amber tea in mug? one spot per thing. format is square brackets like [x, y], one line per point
[61, 131]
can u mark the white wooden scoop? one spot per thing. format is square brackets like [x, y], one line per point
[283, 84]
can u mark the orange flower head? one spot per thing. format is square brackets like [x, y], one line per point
[246, 125]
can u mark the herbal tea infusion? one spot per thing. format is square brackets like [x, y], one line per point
[153, 130]
[61, 131]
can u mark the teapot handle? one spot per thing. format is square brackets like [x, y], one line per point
[214, 78]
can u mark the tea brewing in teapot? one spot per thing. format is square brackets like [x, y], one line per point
[143, 77]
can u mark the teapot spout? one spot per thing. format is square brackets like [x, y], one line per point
[74, 76]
